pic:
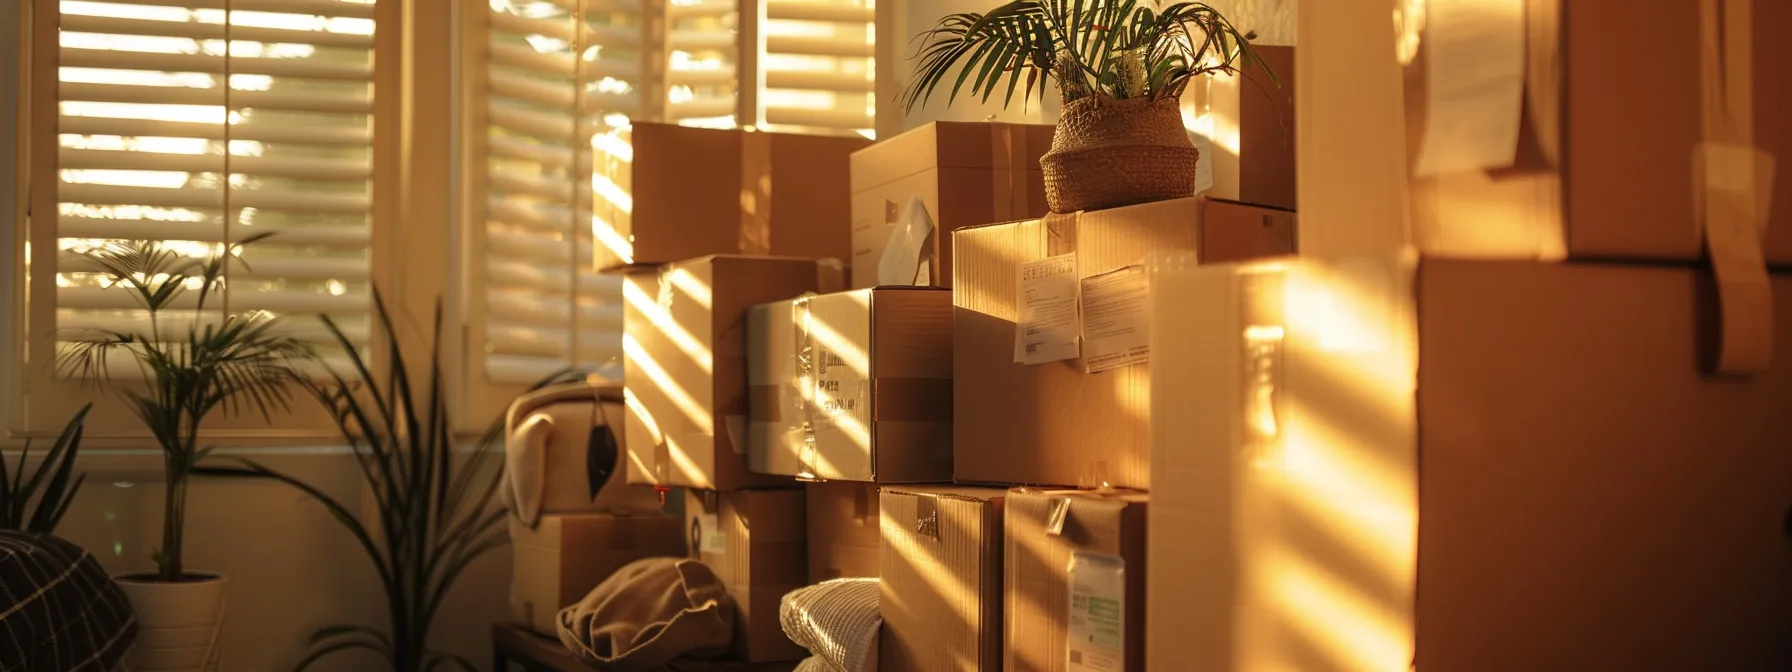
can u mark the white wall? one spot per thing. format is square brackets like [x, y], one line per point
[292, 568]
[898, 21]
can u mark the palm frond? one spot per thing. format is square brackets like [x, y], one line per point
[57, 465]
[1087, 46]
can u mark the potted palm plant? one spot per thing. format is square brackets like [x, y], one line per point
[186, 367]
[1120, 67]
[58, 465]
[435, 511]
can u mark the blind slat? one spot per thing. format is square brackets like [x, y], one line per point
[819, 11]
[795, 116]
[277, 301]
[521, 150]
[265, 268]
[819, 81]
[72, 57]
[334, 8]
[107, 25]
[559, 29]
[518, 56]
[315, 169]
[855, 47]
[260, 131]
[172, 95]
[200, 197]
[336, 237]
[174, 325]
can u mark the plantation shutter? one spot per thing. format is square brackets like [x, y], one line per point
[560, 84]
[814, 64]
[173, 125]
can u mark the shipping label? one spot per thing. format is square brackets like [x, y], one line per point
[1047, 327]
[1096, 640]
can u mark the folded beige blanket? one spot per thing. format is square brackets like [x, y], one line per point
[648, 613]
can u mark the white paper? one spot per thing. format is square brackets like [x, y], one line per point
[1046, 329]
[1097, 624]
[1203, 160]
[709, 534]
[1116, 319]
[1474, 85]
[903, 251]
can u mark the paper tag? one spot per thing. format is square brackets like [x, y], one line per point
[1203, 159]
[709, 534]
[1116, 319]
[1097, 625]
[1474, 85]
[1047, 328]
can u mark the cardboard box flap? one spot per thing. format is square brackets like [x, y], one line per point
[941, 576]
[951, 144]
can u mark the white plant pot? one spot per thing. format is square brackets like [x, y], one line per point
[177, 623]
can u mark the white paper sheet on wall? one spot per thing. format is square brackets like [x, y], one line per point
[1474, 85]
[1047, 328]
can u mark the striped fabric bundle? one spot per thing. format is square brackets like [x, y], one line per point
[836, 620]
[59, 611]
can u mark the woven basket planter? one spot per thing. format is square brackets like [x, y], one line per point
[1107, 153]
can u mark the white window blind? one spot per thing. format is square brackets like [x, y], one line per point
[554, 102]
[196, 123]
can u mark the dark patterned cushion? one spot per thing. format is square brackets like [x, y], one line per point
[59, 611]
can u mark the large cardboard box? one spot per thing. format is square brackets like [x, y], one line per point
[685, 364]
[560, 561]
[1602, 159]
[1053, 424]
[853, 386]
[1244, 125]
[1075, 582]
[1559, 486]
[754, 541]
[962, 174]
[942, 579]
[693, 192]
[843, 530]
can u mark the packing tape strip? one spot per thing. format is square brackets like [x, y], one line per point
[1733, 184]
[806, 379]
[1008, 179]
[911, 399]
[755, 193]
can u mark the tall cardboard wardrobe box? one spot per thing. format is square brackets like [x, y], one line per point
[1075, 580]
[853, 386]
[909, 192]
[1054, 423]
[685, 365]
[753, 540]
[942, 579]
[692, 192]
[1561, 485]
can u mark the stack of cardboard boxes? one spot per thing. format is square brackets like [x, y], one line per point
[1522, 403]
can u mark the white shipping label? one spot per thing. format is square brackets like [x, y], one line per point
[709, 534]
[1046, 329]
[1116, 319]
[1096, 640]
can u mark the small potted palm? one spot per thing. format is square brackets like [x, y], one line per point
[1120, 67]
[185, 369]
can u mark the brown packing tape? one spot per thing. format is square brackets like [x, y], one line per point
[911, 400]
[1009, 171]
[805, 372]
[762, 403]
[861, 504]
[1730, 170]
[755, 193]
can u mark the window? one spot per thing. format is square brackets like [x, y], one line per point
[163, 120]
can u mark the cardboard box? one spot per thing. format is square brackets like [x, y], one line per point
[1075, 581]
[843, 530]
[685, 365]
[754, 541]
[1606, 161]
[1559, 486]
[942, 579]
[1053, 424]
[555, 426]
[879, 366]
[1244, 126]
[560, 561]
[699, 191]
[963, 173]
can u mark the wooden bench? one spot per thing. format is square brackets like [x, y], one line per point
[514, 644]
